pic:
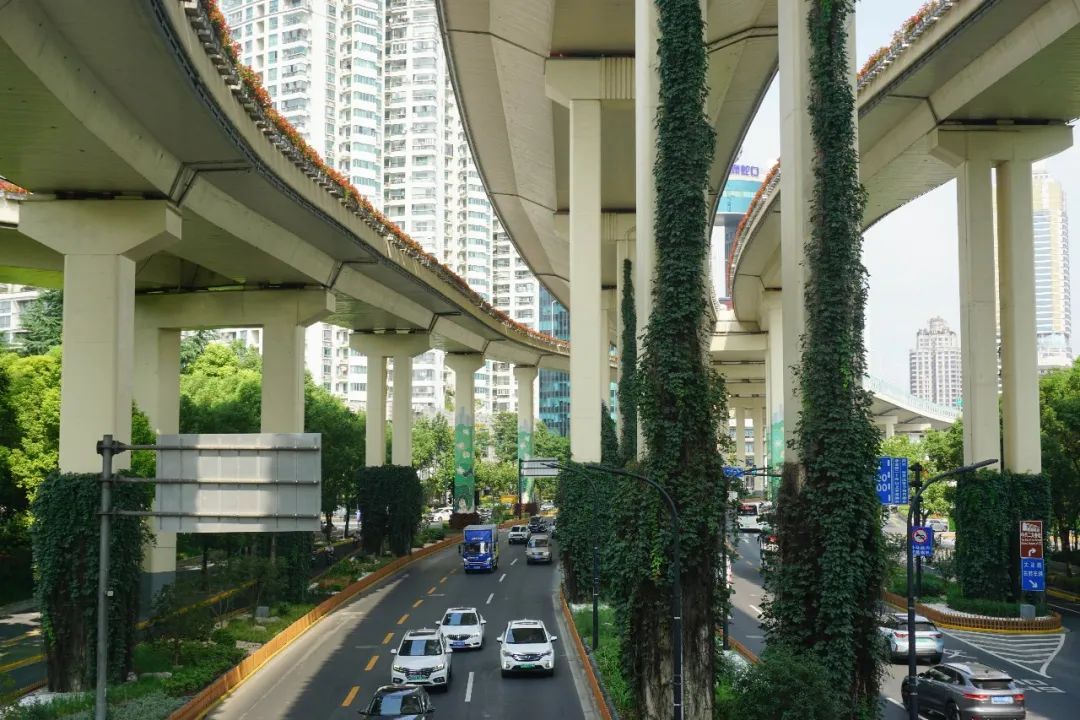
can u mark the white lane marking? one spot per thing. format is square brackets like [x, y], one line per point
[756, 609]
[468, 689]
[514, 561]
[1016, 649]
[1062, 608]
[895, 702]
[503, 577]
[489, 598]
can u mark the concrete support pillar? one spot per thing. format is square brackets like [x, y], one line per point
[978, 316]
[525, 376]
[403, 347]
[796, 190]
[740, 436]
[586, 325]
[646, 103]
[401, 424]
[887, 423]
[157, 394]
[776, 376]
[101, 240]
[464, 367]
[761, 431]
[1022, 445]
[375, 427]
[283, 377]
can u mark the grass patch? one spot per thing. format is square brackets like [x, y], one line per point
[992, 608]
[246, 629]
[151, 658]
[142, 700]
[607, 657]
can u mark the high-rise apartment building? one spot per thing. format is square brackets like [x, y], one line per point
[935, 368]
[515, 291]
[13, 302]
[1053, 294]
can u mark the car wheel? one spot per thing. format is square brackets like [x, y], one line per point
[952, 712]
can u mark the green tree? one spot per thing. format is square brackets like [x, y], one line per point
[1060, 395]
[34, 395]
[433, 455]
[192, 346]
[501, 478]
[342, 447]
[222, 391]
[482, 441]
[548, 444]
[945, 448]
[832, 562]
[628, 369]
[43, 323]
[505, 436]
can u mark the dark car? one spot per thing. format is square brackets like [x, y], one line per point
[406, 702]
[964, 691]
[537, 524]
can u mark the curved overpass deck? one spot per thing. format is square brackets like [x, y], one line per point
[988, 65]
[127, 100]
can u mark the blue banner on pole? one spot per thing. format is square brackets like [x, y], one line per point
[1032, 574]
[922, 541]
[892, 481]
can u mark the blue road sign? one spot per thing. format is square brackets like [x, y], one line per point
[732, 471]
[1032, 574]
[892, 483]
[922, 541]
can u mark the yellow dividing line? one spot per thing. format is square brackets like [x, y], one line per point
[402, 619]
[371, 663]
[27, 635]
[386, 640]
[431, 590]
[452, 571]
[21, 663]
[351, 696]
[418, 603]
[442, 579]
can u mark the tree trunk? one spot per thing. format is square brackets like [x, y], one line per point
[348, 517]
[1066, 546]
[205, 562]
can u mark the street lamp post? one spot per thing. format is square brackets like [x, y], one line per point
[913, 507]
[676, 583]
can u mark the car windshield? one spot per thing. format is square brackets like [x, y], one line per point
[748, 510]
[419, 648]
[992, 683]
[390, 705]
[475, 548]
[517, 528]
[923, 626]
[526, 636]
[460, 618]
[538, 542]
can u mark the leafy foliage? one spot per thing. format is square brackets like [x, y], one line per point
[628, 400]
[788, 684]
[989, 508]
[43, 323]
[680, 401]
[1060, 395]
[391, 501]
[584, 497]
[343, 446]
[65, 536]
[831, 560]
[433, 455]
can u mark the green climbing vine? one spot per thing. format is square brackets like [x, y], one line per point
[628, 370]
[391, 502]
[831, 556]
[65, 539]
[679, 400]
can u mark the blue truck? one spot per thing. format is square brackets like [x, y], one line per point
[480, 551]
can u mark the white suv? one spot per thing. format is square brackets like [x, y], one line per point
[526, 646]
[462, 627]
[538, 550]
[423, 658]
[518, 534]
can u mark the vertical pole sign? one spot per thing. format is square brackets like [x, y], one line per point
[892, 481]
[922, 541]
[1032, 564]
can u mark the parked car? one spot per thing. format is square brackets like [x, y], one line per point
[442, 514]
[406, 702]
[750, 516]
[538, 549]
[423, 658]
[929, 642]
[547, 506]
[965, 691]
[463, 627]
[519, 534]
[938, 525]
[526, 647]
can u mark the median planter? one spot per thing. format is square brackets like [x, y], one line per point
[980, 623]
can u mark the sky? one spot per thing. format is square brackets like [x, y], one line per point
[911, 255]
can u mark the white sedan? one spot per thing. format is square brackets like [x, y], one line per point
[526, 647]
[462, 627]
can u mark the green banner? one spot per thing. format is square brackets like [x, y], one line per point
[525, 451]
[776, 443]
[464, 475]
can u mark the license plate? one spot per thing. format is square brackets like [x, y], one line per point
[457, 643]
[529, 667]
[415, 677]
[1001, 700]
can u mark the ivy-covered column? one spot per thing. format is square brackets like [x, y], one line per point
[525, 376]
[464, 367]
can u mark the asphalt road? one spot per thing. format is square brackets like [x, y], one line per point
[333, 669]
[1048, 666]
